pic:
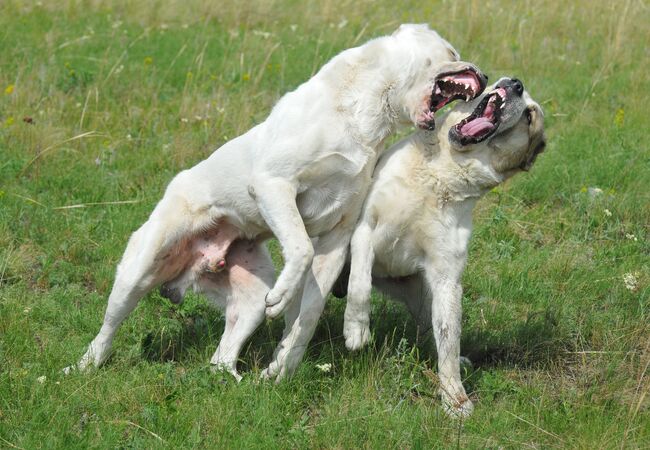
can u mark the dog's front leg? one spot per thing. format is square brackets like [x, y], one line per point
[330, 256]
[446, 308]
[356, 327]
[276, 200]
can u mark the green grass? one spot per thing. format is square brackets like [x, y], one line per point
[104, 102]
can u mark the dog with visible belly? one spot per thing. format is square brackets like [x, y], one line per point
[412, 238]
[300, 175]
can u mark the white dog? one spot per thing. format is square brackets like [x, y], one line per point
[412, 238]
[301, 174]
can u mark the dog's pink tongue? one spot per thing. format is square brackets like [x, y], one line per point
[477, 126]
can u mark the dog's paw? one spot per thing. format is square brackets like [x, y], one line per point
[458, 409]
[275, 304]
[273, 373]
[357, 334]
[455, 402]
[220, 368]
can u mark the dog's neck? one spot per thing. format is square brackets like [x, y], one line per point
[454, 176]
[367, 93]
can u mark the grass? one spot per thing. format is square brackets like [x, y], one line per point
[101, 103]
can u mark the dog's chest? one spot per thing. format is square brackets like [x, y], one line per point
[333, 187]
[397, 252]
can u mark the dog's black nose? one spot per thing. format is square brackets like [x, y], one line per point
[518, 86]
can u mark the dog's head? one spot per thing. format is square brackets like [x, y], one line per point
[504, 128]
[431, 75]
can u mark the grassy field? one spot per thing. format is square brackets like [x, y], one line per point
[101, 103]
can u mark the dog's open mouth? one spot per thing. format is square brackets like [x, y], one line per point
[484, 120]
[463, 85]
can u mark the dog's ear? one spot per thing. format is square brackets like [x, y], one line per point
[536, 137]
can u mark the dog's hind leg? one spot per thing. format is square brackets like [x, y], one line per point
[145, 263]
[248, 277]
[133, 279]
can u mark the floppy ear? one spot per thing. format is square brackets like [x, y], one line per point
[537, 139]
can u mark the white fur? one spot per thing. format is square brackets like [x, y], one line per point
[300, 175]
[412, 238]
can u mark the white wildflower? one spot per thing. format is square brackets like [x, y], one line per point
[631, 237]
[41, 379]
[27, 310]
[631, 281]
[262, 34]
[293, 27]
[184, 119]
[594, 192]
[324, 367]
[607, 212]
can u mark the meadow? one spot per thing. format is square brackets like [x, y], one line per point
[102, 102]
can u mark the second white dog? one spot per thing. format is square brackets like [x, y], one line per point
[412, 239]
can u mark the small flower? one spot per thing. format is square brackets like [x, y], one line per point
[184, 119]
[293, 27]
[9, 121]
[41, 379]
[594, 192]
[607, 212]
[324, 367]
[10, 89]
[631, 237]
[631, 281]
[619, 117]
[27, 310]
[246, 76]
[148, 60]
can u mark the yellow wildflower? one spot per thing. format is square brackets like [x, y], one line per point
[148, 60]
[619, 117]
[9, 89]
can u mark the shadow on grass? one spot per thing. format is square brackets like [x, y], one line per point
[196, 330]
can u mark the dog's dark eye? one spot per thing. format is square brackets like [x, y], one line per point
[529, 115]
